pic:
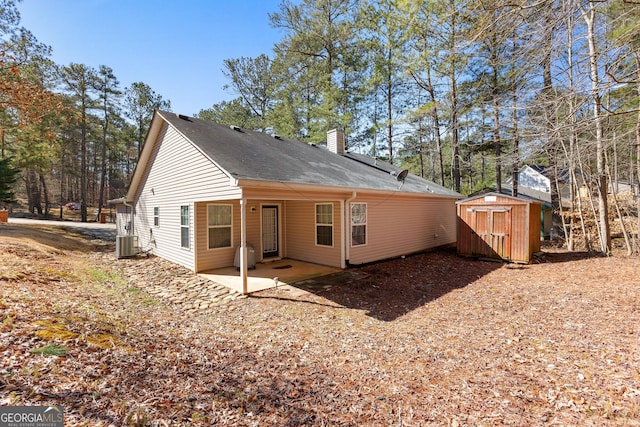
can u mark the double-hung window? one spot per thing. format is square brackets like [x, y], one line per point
[156, 217]
[184, 226]
[358, 224]
[219, 223]
[324, 224]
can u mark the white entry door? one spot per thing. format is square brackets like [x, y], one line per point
[269, 231]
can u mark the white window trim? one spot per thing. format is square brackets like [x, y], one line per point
[315, 228]
[366, 225]
[188, 226]
[219, 226]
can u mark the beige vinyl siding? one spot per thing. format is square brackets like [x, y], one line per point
[180, 174]
[254, 225]
[220, 257]
[300, 234]
[402, 225]
[209, 259]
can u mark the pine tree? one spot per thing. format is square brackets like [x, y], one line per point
[8, 176]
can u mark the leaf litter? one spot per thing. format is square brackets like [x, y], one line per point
[430, 339]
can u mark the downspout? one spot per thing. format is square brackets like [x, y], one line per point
[124, 202]
[346, 247]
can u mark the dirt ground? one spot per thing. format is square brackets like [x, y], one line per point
[429, 340]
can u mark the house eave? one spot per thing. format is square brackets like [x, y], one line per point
[119, 201]
[304, 187]
[145, 155]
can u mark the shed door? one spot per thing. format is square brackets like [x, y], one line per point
[482, 239]
[501, 232]
[493, 233]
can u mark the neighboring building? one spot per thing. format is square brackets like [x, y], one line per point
[534, 177]
[200, 190]
[623, 186]
[535, 181]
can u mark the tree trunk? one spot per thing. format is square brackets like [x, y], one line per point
[83, 164]
[103, 165]
[420, 143]
[571, 154]
[45, 192]
[637, 58]
[627, 241]
[454, 100]
[469, 155]
[603, 207]
[549, 96]
[516, 144]
[483, 164]
[33, 193]
[389, 116]
[496, 123]
[589, 197]
[436, 122]
[454, 132]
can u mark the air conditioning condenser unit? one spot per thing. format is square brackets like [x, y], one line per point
[126, 246]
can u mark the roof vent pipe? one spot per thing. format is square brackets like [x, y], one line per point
[335, 141]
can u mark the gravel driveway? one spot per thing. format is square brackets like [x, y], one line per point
[96, 230]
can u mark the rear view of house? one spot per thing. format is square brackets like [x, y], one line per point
[201, 191]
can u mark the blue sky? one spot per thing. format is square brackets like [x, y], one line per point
[176, 47]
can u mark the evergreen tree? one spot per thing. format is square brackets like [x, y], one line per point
[235, 112]
[8, 177]
[256, 83]
[107, 87]
[318, 60]
[80, 80]
[140, 102]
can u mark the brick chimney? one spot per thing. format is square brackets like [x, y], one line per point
[335, 141]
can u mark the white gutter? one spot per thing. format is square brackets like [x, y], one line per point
[346, 244]
[256, 183]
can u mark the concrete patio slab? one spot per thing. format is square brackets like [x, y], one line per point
[262, 277]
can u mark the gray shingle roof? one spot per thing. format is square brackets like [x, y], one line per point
[250, 155]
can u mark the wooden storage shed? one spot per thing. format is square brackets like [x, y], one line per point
[495, 225]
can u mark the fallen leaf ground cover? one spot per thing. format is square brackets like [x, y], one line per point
[431, 339]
